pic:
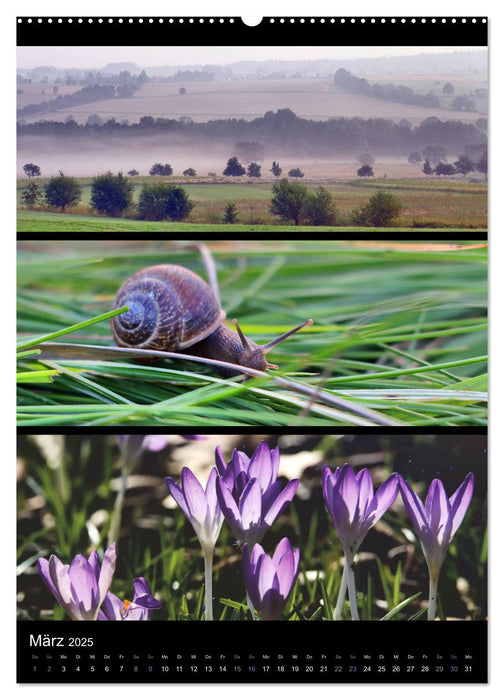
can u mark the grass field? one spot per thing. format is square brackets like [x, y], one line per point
[399, 335]
[431, 203]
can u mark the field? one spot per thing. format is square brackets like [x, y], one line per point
[399, 335]
[427, 203]
[311, 98]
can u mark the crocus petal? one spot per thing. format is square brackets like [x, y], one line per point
[384, 497]
[270, 495]
[414, 506]
[459, 503]
[107, 571]
[43, 567]
[229, 508]
[83, 582]
[272, 605]
[194, 495]
[211, 493]
[220, 462]
[366, 490]
[250, 561]
[251, 505]
[267, 577]
[112, 608]
[178, 496]
[61, 581]
[287, 569]
[262, 465]
[282, 548]
[143, 595]
[349, 490]
[281, 502]
[436, 508]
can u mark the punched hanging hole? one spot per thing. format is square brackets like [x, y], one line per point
[251, 21]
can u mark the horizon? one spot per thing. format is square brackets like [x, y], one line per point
[96, 57]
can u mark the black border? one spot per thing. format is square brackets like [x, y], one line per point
[231, 31]
[352, 652]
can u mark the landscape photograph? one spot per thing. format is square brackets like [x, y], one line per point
[251, 138]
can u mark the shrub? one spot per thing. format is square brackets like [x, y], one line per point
[230, 214]
[133, 173]
[254, 170]
[234, 168]
[319, 209]
[31, 195]
[381, 210]
[365, 171]
[161, 201]
[111, 194]
[62, 191]
[189, 172]
[276, 169]
[296, 172]
[288, 200]
[31, 170]
[160, 169]
[445, 169]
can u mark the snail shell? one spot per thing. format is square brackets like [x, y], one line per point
[170, 308]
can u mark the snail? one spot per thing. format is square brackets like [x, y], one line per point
[171, 308]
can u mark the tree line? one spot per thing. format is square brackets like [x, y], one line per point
[112, 195]
[393, 93]
[282, 130]
[122, 85]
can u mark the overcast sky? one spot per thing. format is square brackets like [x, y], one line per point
[98, 56]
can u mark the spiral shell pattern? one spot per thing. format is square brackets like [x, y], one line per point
[170, 308]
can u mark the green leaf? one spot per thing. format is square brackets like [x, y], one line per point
[392, 613]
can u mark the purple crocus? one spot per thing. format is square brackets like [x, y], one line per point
[81, 586]
[250, 494]
[354, 508]
[263, 465]
[435, 524]
[201, 508]
[270, 580]
[200, 505]
[139, 608]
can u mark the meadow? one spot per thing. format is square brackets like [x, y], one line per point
[426, 203]
[399, 335]
[68, 490]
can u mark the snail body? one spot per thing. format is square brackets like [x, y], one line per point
[173, 309]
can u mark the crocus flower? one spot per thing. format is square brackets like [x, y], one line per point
[352, 503]
[203, 512]
[139, 608]
[435, 524]
[270, 580]
[200, 505]
[250, 494]
[81, 586]
[263, 465]
[354, 508]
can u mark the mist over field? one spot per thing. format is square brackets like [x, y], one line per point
[346, 125]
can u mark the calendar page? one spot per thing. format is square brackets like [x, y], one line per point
[325, 520]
